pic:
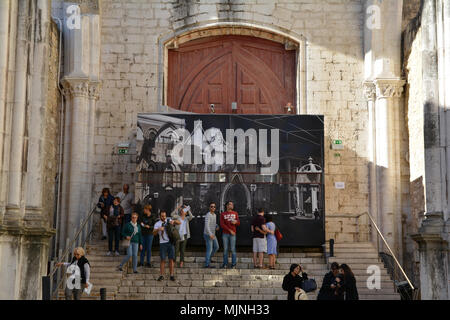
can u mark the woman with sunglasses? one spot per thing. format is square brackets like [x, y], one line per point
[212, 245]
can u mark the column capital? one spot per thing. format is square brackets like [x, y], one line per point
[94, 90]
[369, 90]
[389, 88]
[76, 87]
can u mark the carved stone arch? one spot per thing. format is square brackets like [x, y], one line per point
[289, 39]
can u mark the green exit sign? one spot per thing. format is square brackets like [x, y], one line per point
[123, 151]
[337, 145]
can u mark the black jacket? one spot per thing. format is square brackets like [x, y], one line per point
[351, 292]
[290, 283]
[147, 221]
[340, 288]
[326, 292]
[81, 262]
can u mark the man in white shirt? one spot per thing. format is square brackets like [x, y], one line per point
[165, 247]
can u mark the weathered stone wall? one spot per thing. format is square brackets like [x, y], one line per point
[334, 65]
[412, 216]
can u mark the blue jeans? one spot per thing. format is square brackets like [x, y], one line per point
[147, 241]
[228, 238]
[132, 251]
[113, 234]
[211, 248]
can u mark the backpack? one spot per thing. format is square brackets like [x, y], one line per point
[172, 232]
[278, 235]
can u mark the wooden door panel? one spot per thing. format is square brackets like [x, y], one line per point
[211, 85]
[257, 74]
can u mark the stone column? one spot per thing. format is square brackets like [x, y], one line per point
[36, 121]
[387, 137]
[5, 132]
[4, 39]
[383, 88]
[94, 94]
[370, 94]
[434, 258]
[433, 236]
[15, 188]
[76, 157]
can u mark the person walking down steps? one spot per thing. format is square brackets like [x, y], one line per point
[166, 243]
[132, 233]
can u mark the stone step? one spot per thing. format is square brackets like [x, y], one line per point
[351, 245]
[97, 260]
[352, 250]
[199, 296]
[357, 255]
[356, 261]
[199, 267]
[95, 295]
[100, 252]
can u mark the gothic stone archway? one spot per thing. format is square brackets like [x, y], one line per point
[258, 74]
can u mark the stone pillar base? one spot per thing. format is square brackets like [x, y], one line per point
[434, 265]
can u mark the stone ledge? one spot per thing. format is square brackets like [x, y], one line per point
[25, 231]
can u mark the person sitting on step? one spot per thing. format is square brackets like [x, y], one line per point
[293, 281]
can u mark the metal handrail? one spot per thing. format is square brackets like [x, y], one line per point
[389, 248]
[70, 247]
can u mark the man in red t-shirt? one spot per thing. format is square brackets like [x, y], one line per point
[229, 220]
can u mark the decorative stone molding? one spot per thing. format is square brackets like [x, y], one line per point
[76, 87]
[389, 88]
[94, 90]
[369, 90]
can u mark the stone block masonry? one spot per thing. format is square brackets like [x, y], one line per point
[131, 62]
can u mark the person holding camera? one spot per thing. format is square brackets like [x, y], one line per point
[293, 281]
[166, 248]
[330, 284]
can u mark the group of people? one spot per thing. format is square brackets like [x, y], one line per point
[338, 284]
[120, 221]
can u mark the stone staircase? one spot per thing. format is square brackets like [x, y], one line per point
[196, 283]
[359, 256]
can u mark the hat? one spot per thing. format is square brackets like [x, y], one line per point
[301, 295]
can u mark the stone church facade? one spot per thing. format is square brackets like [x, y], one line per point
[377, 70]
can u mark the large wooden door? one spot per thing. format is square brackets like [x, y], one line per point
[257, 74]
